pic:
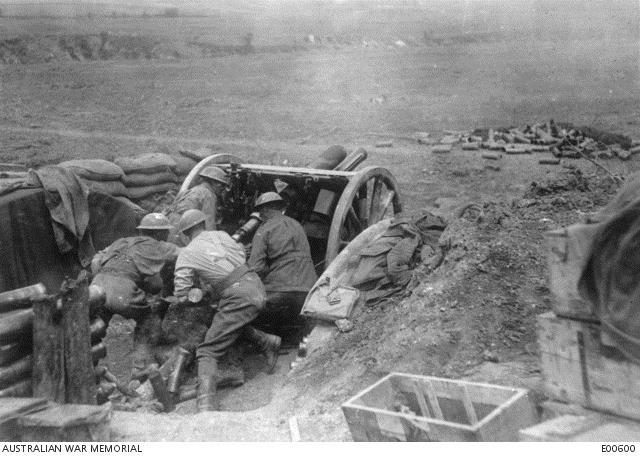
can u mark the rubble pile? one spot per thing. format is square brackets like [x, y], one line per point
[562, 140]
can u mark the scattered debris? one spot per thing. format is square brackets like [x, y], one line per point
[490, 356]
[491, 156]
[344, 325]
[441, 149]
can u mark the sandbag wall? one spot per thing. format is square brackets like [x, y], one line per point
[99, 175]
[134, 178]
[16, 336]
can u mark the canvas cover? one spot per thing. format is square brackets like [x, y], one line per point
[611, 277]
[28, 245]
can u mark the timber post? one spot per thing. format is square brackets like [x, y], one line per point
[48, 379]
[80, 385]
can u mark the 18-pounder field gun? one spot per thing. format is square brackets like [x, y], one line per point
[333, 206]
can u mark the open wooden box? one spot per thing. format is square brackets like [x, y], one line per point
[410, 408]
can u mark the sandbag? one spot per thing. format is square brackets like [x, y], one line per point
[144, 180]
[94, 169]
[142, 192]
[146, 163]
[113, 188]
[184, 164]
[199, 154]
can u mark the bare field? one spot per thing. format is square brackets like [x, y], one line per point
[348, 92]
[262, 106]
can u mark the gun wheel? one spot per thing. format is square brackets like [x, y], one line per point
[370, 196]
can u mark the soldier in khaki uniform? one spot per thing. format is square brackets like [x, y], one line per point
[281, 256]
[129, 270]
[206, 197]
[217, 263]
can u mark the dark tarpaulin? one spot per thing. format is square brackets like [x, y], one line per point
[28, 249]
[610, 279]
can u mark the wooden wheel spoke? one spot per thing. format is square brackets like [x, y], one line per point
[368, 196]
[354, 219]
[374, 205]
[384, 207]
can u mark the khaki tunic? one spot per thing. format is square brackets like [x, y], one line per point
[281, 256]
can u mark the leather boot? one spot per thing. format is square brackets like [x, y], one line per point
[207, 399]
[268, 344]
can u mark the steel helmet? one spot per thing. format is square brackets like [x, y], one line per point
[215, 173]
[154, 221]
[191, 218]
[268, 197]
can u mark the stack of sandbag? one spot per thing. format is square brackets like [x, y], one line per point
[148, 174]
[99, 175]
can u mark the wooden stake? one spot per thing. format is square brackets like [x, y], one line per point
[48, 351]
[80, 386]
[294, 429]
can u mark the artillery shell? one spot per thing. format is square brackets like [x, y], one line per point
[491, 156]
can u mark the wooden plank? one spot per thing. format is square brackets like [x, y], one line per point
[13, 352]
[567, 251]
[80, 387]
[433, 400]
[577, 368]
[68, 422]
[15, 372]
[19, 389]
[12, 407]
[15, 325]
[48, 351]
[424, 409]
[20, 297]
[468, 406]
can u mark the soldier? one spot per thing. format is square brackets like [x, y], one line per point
[217, 262]
[281, 256]
[205, 197]
[129, 269]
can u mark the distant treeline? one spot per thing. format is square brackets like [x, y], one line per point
[75, 10]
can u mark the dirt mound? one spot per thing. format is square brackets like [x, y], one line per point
[81, 47]
[477, 307]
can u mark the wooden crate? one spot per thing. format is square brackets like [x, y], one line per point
[576, 367]
[567, 250]
[589, 427]
[402, 407]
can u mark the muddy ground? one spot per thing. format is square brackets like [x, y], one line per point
[474, 316]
